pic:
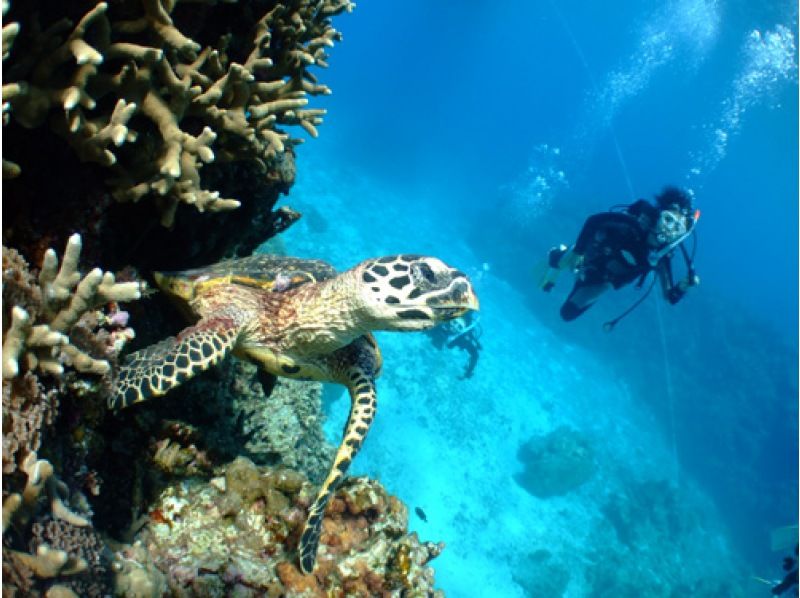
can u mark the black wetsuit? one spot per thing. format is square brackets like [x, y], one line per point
[616, 252]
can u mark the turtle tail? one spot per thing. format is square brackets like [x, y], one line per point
[155, 370]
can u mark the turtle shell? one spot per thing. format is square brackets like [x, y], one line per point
[276, 273]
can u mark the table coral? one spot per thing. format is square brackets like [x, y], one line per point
[130, 89]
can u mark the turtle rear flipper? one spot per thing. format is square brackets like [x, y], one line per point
[359, 378]
[157, 369]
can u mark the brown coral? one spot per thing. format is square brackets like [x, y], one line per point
[129, 74]
[81, 544]
[54, 345]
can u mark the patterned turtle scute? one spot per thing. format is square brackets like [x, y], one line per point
[297, 318]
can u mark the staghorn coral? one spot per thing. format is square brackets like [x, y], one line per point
[236, 535]
[130, 90]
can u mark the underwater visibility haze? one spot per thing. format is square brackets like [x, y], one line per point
[509, 453]
[500, 128]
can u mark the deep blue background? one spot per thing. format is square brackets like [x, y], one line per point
[458, 95]
[526, 117]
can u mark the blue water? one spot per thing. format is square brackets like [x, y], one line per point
[484, 133]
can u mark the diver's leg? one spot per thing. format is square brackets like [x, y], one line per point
[582, 298]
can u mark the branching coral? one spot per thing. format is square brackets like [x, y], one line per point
[128, 74]
[63, 544]
[39, 319]
[52, 342]
[65, 297]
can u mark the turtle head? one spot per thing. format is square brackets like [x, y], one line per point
[176, 284]
[413, 292]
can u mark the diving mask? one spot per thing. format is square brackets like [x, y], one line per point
[671, 226]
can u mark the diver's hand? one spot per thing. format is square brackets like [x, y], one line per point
[577, 263]
[692, 280]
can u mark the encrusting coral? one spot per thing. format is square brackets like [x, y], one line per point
[126, 75]
[236, 535]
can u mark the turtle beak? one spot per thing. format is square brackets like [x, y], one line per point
[472, 303]
[460, 299]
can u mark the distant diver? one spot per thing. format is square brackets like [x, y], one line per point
[463, 333]
[628, 242]
[790, 580]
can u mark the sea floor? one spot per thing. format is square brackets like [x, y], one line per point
[449, 445]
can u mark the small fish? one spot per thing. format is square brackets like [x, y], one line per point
[421, 514]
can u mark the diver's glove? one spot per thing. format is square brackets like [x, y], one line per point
[691, 280]
[553, 267]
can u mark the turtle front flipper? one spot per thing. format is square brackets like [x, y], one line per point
[361, 384]
[155, 370]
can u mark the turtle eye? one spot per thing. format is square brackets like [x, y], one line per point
[423, 270]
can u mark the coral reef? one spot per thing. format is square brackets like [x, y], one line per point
[650, 521]
[285, 427]
[61, 336]
[143, 113]
[237, 534]
[131, 90]
[65, 552]
[164, 129]
[51, 323]
[556, 463]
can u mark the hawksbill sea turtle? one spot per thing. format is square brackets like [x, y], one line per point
[298, 318]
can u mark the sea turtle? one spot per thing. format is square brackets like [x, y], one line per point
[298, 318]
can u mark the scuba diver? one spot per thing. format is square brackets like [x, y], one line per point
[628, 242]
[463, 333]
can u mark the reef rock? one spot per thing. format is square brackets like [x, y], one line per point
[556, 463]
[236, 535]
